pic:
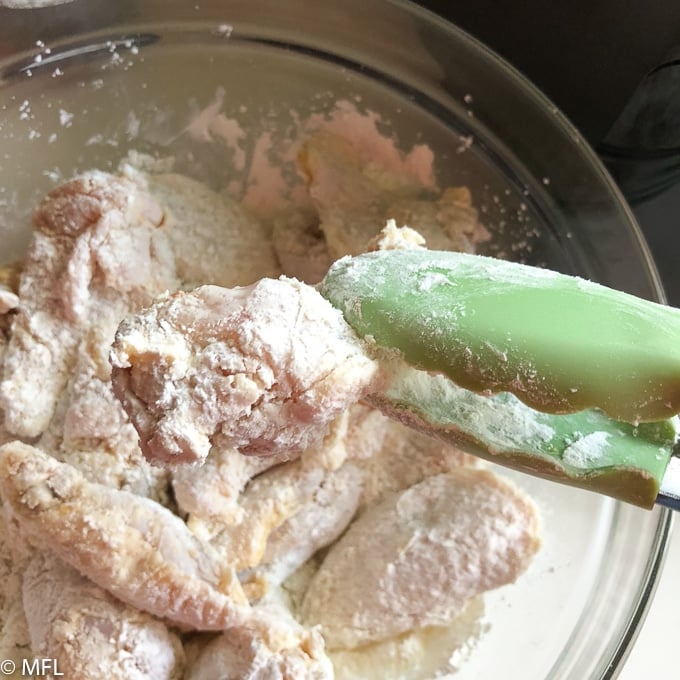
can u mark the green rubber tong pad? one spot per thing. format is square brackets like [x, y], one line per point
[558, 343]
[586, 449]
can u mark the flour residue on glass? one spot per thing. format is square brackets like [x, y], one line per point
[266, 177]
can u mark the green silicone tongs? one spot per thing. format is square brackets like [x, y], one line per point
[547, 373]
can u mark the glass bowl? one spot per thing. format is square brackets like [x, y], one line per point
[81, 84]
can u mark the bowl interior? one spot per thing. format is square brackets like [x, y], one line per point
[82, 85]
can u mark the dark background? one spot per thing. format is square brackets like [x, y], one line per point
[613, 67]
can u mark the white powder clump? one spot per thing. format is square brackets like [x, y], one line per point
[65, 118]
[392, 237]
[585, 452]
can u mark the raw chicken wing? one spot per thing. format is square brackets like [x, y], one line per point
[91, 634]
[263, 369]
